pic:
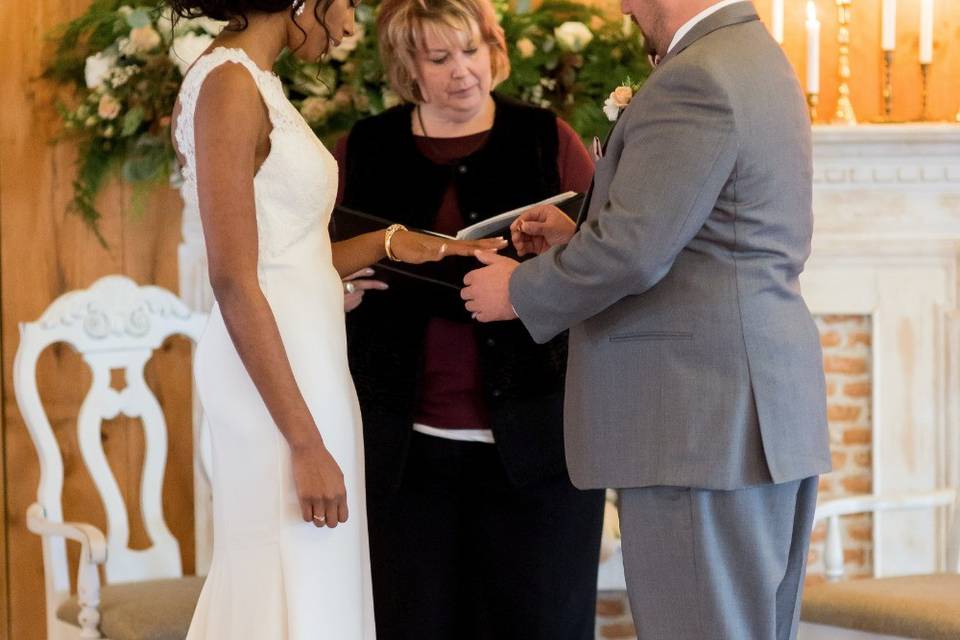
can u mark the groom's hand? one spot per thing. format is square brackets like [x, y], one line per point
[540, 228]
[487, 290]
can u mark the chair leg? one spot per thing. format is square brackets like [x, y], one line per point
[88, 595]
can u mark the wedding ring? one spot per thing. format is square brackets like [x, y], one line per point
[443, 248]
[474, 315]
[320, 519]
[349, 287]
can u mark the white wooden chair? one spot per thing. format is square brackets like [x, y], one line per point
[113, 325]
[918, 606]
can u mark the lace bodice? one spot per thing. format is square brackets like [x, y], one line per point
[295, 187]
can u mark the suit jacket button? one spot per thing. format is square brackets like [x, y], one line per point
[462, 168]
[491, 342]
[497, 393]
[473, 215]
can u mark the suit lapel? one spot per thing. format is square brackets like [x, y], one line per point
[585, 205]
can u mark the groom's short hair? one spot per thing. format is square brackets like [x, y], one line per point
[401, 25]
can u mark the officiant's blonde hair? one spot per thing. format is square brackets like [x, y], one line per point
[401, 26]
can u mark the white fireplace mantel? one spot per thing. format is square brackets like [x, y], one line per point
[887, 244]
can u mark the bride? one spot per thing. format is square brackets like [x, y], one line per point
[290, 558]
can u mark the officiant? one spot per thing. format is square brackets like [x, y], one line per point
[475, 528]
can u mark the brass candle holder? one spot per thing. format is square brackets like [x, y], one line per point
[925, 92]
[813, 101]
[888, 85]
[845, 113]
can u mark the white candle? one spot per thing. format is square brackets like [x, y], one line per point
[776, 22]
[813, 48]
[889, 33]
[926, 31]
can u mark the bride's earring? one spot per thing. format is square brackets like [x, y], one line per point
[298, 7]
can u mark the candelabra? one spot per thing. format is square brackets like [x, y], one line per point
[845, 113]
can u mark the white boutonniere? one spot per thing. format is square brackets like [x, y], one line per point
[619, 99]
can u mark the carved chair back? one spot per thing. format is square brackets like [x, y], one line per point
[114, 324]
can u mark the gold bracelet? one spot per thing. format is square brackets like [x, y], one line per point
[388, 239]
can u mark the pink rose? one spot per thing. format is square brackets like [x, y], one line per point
[108, 108]
[622, 96]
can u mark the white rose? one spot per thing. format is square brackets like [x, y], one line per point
[213, 27]
[573, 36]
[525, 47]
[187, 48]
[97, 68]
[314, 109]
[611, 110]
[165, 24]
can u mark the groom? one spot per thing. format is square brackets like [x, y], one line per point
[695, 381]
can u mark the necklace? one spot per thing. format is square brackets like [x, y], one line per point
[423, 128]
[427, 140]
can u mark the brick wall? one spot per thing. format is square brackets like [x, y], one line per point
[846, 342]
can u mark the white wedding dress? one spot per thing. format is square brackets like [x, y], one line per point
[273, 576]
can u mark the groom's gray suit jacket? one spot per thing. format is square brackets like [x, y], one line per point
[694, 360]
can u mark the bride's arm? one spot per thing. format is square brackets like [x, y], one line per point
[231, 123]
[414, 248]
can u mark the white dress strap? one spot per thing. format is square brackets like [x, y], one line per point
[269, 86]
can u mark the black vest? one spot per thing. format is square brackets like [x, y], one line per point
[385, 174]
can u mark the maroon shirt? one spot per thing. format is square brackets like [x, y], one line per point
[451, 394]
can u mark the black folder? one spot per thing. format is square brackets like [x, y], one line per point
[449, 272]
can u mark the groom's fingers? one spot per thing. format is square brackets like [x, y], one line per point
[532, 228]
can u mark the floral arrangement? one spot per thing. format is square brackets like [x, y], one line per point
[120, 67]
[565, 56]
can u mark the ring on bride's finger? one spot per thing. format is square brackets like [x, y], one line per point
[349, 287]
[320, 519]
[443, 248]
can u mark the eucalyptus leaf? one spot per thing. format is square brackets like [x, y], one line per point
[132, 121]
[139, 18]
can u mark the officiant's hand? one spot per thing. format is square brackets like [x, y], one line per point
[540, 228]
[487, 291]
[356, 284]
[417, 248]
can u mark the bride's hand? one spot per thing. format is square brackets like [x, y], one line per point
[319, 483]
[416, 248]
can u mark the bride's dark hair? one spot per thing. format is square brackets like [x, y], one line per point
[236, 11]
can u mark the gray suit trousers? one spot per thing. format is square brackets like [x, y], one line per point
[717, 565]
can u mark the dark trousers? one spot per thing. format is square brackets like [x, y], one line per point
[460, 554]
[717, 565]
